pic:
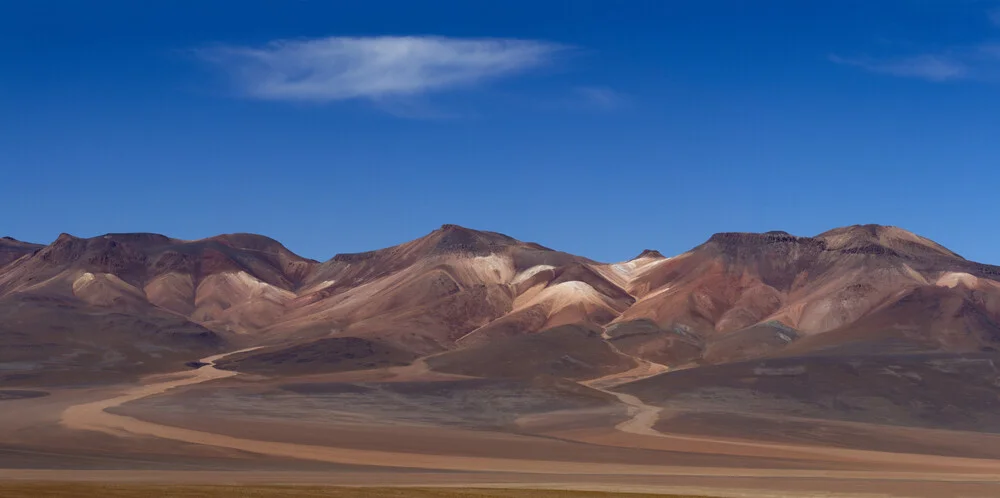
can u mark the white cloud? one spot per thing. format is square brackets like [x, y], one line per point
[342, 68]
[927, 67]
[979, 62]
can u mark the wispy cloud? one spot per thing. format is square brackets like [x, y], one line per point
[994, 15]
[374, 68]
[927, 66]
[598, 97]
[980, 62]
[585, 98]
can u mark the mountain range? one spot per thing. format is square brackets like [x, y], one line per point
[92, 310]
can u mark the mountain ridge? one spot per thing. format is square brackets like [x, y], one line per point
[777, 234]
[736, 296]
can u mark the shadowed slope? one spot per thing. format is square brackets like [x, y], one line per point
[125, 304]
[12, 249]
[570, 351]
[925, 390]
[51, 340]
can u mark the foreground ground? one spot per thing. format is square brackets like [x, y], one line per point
[48, 490]
[415, 428]
[744, 485]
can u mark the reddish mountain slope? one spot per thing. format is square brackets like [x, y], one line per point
[745, 295]
[132, 303]
[231, 282]
[451, 288]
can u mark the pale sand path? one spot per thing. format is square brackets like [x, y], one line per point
[643, 416]
[94, 417]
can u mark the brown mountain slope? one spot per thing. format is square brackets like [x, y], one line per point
[123, 304]
[746, 295]
[955, 319]
[573, 294]
[413, 299]
[570, 351]
[233, 282]
[737, 296]
[12, 249]
[428, 294]
[57, 340]
[452, 288]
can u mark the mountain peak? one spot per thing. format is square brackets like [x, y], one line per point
[866, 230]
[458, 239]
[12, 249]
[649, 253]
[754, 239]
[871, 238]
[138, 238]
[12, 242]
[251, 241]
[448, 239]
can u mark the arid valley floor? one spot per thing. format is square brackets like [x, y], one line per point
[407, 427]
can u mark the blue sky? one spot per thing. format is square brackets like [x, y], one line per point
[599, 128]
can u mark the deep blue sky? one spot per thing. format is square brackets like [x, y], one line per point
[642, 124]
